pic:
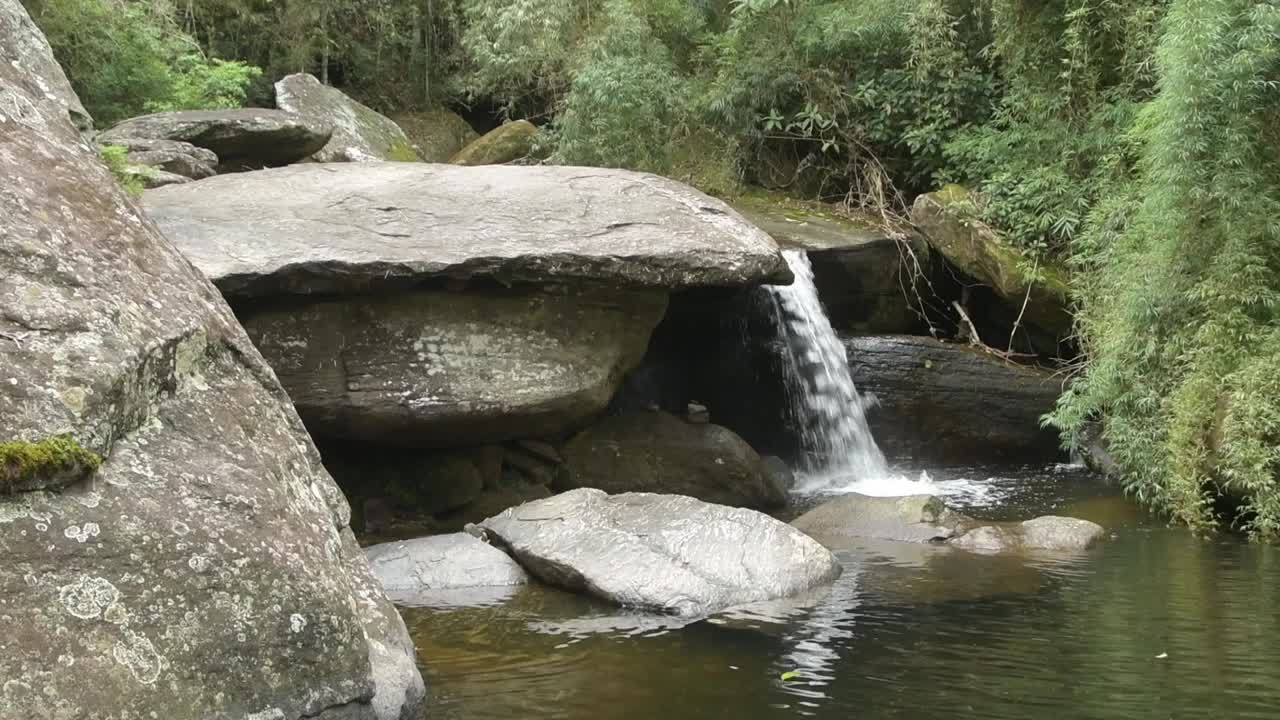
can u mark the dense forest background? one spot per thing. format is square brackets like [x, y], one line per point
[1133, 141]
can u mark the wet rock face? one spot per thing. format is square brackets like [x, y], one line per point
[241, 138]
[657, 452]
[359, 227]
[441, 369]
[915, 518]
[666, 553]
[360, 134]
[205, 567]
[952, 403]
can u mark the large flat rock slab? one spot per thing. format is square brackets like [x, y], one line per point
[353, 227]
[665, 553]
[241, 137]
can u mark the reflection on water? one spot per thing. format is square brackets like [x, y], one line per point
[1153, 624]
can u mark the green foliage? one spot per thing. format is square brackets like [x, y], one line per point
[51, 462]
[116, 159]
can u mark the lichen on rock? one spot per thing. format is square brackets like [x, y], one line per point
[47, 464]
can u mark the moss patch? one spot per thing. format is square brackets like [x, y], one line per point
[52, 463]
[402, 152]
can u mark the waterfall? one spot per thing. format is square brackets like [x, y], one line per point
[838, 446]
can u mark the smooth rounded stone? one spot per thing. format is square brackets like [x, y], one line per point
[1046, 534]
[911, 518]
[360, 133]
[38, 74]
[667, 553]
[436, 134]
[449, 369]
[950, 402]
[353, 227]
[654, 451]
[206, 569]
[241, 138]
[507, 143]
[946, 219]
[410, 569]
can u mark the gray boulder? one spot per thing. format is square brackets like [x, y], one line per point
[241, 138]
[171, 156]
[409, 569]
[360, 134]
[665, 553]
[507, 143]
[913, 518]
[201, 565]
[657, 452]
[951, 402]
[358, 226]
[442, 369]
[1043, 534]
[36, 72]
[153, 178]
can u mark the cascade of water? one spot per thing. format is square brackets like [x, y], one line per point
[838, 445]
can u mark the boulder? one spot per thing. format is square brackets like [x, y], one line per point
[153, 178]
[913, 518]
[949, 402]
[360, 226]
[409, 569]
[241, 138]
[170, 156]
[657, 452]
[507, 143]
[437, 134]
[202, 565]
[444, 369]
[665, 553]
[37, 75]
[1043, 534]
[360, 134]
[945, 218]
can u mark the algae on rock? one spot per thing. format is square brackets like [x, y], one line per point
[48, 464]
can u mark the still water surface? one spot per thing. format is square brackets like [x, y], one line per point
[1152, 624]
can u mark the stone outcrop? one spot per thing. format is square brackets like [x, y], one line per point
[1043, 534]
[913, 518]
[507, 143]
[369, 226]
[945, 218]
[659, 453]
[169, 156]
[411, 569]
[665, 553]
[36, 71]
[950, 402]
[436, 134]
[241, 138]
[360, 133]
[203, 566]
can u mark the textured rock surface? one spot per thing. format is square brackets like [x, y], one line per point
[206, 569]
[35, 71]
[914, 518]
[659, 453]
[407, 569]
[331, 228]
[1045, 534]
[442, 369]
[979, 252]
[360, 133]
[950, 402]
[246, 137]
[509, 142]
[436, 134]
[172, 156]
[667, 553]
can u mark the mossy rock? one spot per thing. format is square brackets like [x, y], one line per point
[49, 464]
[707, 161]
[437, 134]
[508, 143]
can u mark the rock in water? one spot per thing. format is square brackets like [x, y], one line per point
[1043, 534]
[913, 518]
[660, 453]
[409, 569]
[666, 553]
[204, 567]
[354, 227]
[506, 143]
[241, 138]
[360, 133]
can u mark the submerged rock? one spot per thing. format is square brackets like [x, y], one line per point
[506, 143]
[355, 227]
[666, 553]
[442, 369]
[659, 453]
[409, 569]
[912, 518]
[204, 568]
[1048, 534]
[437, 134]
[245, 137]
[950, 402]
[360, 133]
